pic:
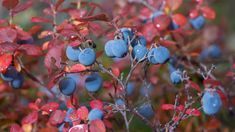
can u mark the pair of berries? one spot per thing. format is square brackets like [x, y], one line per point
[15, 78]
[86, 56]
[158, 55]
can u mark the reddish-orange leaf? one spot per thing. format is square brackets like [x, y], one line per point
[79, 128]
[179, 19]
[7, 35]
[161, 22]
[31, 118]
[208, 12]
[10, 4]
[76, 68]
[194, 85]
[5, 61]
[96, 104]
[174, 4]
[40, 19]
[167, 107]
[82, 113]
[57, 117]
[97, 126]
[16, 128]
[49, 107]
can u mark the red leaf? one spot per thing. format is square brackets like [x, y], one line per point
[167, 107]
[58, 4]
[40, 19]
[30, 119]
[49, 129]
[53, 56]
[193, 13]
[174, 4]
[99, 17]
[193, 112]
[167, 43]
[35, 29]
[49, 107]
[7, 35]
[31, 49]
[22, 7]
[82, 113]
[179, 19]
[229, 74]
[208, 12]
[16, 128]
[161, 22]
[74, 116]
[44, 34]
[180, 108]
[194, 85]
[8, 47]
[57, 117]
[108, 124]
[76, 68]
[222, 95]
[75, 43]
[97, 126]
[10, 4]
[233, 65]
[211, 82]
[5, 61]
[116, 71]
[96, 104]
[79, 128]
[33, 106]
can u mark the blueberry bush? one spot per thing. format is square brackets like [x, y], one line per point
[128, 65]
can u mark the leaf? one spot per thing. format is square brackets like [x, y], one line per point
[8, 47]
[233, 65]
[75, 43]
[10, 4]
[99, 17]
[49, 129]
[193, 112]
[179, 19]
[76, 68]
[82, 113]
[174, 4]
[31, 49]
[79, 128]
[22, 7]
[97, 126]
[229, 74]
[167, 43]
[193, 13]
[211, 82]
[40, 19]
[208, 12]
[33, 106]
[44, 34]
[57, 117]
[35, 29]
[50, 107]
[30, 119]
[194, 85]
[7, 35]
[96, 104]
[116, 71]
[58, 4]
[167, 107]
[161, 22]
[53, 56]
[5, 61]
[74, 116]
[16, 128]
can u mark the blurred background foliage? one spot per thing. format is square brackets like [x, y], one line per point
[225, 18]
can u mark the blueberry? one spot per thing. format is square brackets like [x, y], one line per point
[25, 41]
[17, 82]
[87, 56]
[10, 74]
[120, 48]
[130, 88]
[67, 86]
[198, 22]
[211, 102]
[175, 77]
[74, 76]
[61, 127]
[139, 40]
[161, 55]
[139, 52]
[119, 102]
[69, 111]
[146, 110]
[95, 114]
[171, 68]
[72, 53]
[93, 82]
[108, 48]
[214, 51]
[151, 57]
[127, 33]
[146, 90]
[173, 26]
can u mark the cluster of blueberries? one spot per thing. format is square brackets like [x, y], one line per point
[15, 78]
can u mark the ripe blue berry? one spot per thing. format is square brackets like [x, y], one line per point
[146, 110]
[93, 82]
[130, 88]
[151, 57]
[139, 52]
[10, 74]
[87, 56]
[127, 34]
[139, 40]
[119, 102]
[67, 86]
[108, 48]
[17, 82]
[173, 25]
[72, 53]
[95, 114]
[175, 77]
[119, 48]
[161, 55]
[214, 51]
[198, 22]
[211, 102]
